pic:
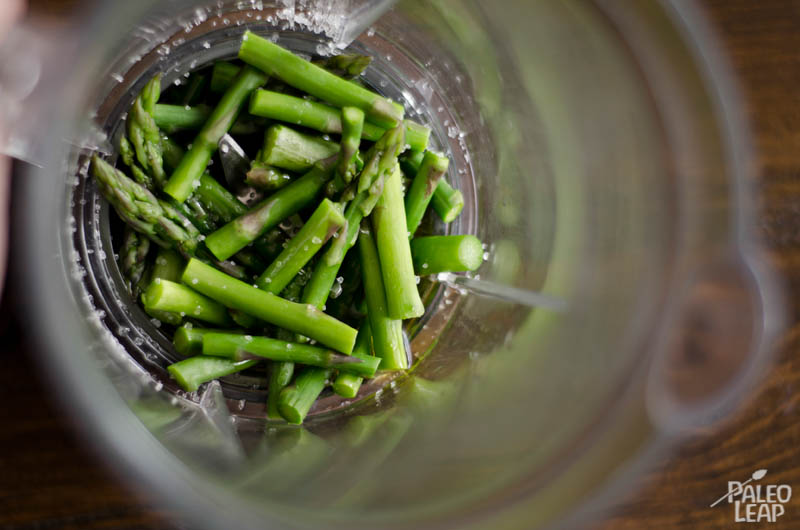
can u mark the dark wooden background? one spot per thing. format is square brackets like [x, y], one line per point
[48, 479]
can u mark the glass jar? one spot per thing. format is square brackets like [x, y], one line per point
[604, 162]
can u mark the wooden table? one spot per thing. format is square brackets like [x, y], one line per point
[49, 480]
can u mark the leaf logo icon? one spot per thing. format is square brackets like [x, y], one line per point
[759, 474]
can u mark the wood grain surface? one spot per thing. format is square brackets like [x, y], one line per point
[48, 479]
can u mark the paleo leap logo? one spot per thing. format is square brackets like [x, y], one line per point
[756, 503]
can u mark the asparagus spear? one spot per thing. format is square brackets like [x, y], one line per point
[447, 201]
[126, 152]
[164, 295]
[324, 118]
[389, 223]
[304, 319]
[172, 118]
[284, 370]
[387, 333]
[287, 201]
[192, 372]
[262, 176]
[188, 340]
[380, 159]
[214, 197]
[423, 187]
[345, 384]
[182, 182]
[143, 211]
[280, 375]
[294, 151]
[168, 265]
[235, 346]
[143, 132]
[352, 125]
[296, 400]
[323, 223]
[347, 65]
[132, 259]
[211, 194]
[297, 72]
[435, 254]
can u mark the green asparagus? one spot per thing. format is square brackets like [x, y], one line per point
[192, 372]
[288, 149]
[324, 118]
[391, 235]
[380, 160]
[264, 177]
[326, 220]
[299, 318]
[133, 259]
[237, 347]
[347, 65]
[447, 202]
[280, 375]
[296, 400]
[164, 295]
[276, 61]
[168, 265]
[182, 182]
[423, 187]
[345, 384]
[173, 118]
[143, 132]
[387, 333]
[340, 195]
[188, 339]
[143, 211]
[352, 124]
[287, 201]
[435, 254]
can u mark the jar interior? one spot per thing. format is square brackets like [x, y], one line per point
[557, 145]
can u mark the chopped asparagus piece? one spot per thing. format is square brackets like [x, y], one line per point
[296, 400]
[280, 375]
[294, 151]
[423, 187]
[192, 372]
[447, 201]
[164, 295]
[391, 235]
[173, 118]
[182, 182]
[387, 332]
[326, 220]
[435, 254]
[299, 318]
[133, 259]
[325, 118]
[299, 73]
[287, 201]
[236, 346]
[352, 124]
[347, 385]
